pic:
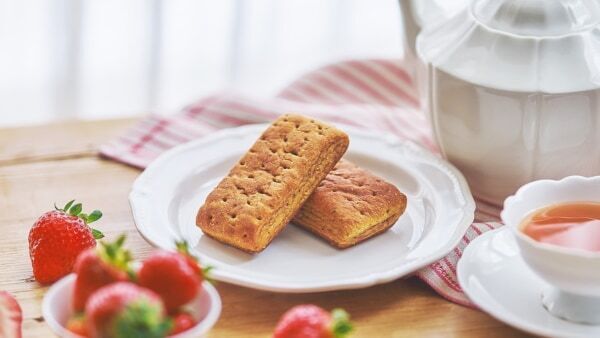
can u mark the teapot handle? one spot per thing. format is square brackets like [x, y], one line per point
[410, 25]
[417, 14]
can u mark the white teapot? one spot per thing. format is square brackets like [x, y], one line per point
[512, 90]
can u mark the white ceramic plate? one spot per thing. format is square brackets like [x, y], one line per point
[166, 197]
[494, 276]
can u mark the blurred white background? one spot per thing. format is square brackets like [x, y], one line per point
[94, 59]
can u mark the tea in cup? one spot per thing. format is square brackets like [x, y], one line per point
[556, 225]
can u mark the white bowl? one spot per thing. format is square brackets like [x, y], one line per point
[574, 273]
[56, 309]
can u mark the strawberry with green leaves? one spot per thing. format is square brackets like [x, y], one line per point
[107, 263]
[126, 310]
[311, 321]
[57, 238]
[175, 276]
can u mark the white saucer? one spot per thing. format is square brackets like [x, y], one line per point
[493, 275]
[167, 195]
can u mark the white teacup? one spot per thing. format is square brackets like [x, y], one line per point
[574, 274]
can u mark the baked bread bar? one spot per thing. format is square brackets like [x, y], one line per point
[350, 206]
[265, 189]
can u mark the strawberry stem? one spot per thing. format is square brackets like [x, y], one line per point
[340, 323]
[206, 274]
[76, 210]
[93, 216]
[68, 205]
[142, 319]
[97, 234]
[114, 254]
[183, 248]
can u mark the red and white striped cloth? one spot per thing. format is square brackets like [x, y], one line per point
[371, 94]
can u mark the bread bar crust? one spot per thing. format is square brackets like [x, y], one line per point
[350, 206]
[264, 190]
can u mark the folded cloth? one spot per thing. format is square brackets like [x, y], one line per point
[370, 94]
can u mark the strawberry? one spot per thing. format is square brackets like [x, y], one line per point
[76, 324]
[11, 316]
[57, 238]
[100, 266]
[182, 321]
[175, 276]
[311, 321]
[183, 249]
[124, 309]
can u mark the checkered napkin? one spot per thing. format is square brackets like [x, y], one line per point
[378, 95]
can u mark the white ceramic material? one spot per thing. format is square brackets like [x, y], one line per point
[417, 14]
[56, 309]
[574, 273]
[513, 91]
[167, 195]
[494, 276]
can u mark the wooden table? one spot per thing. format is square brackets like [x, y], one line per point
[43, 164]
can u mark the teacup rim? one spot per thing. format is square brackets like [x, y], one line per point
[514, 199]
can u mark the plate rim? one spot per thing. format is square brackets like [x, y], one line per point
[459, 182]
[506, 317]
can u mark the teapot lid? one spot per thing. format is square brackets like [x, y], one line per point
[519, 45]
[541, 18]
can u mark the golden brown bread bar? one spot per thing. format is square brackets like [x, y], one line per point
[264, 190]
[350, 206]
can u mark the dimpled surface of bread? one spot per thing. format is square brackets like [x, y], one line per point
[351, 205]
[264, 190]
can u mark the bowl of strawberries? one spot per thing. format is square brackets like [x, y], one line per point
[108, 295]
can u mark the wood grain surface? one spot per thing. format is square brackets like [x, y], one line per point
[43, 164]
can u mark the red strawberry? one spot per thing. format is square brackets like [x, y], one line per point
[124, 309]
[57, 238]
[184, 250]
[182, 321]
[100, 266]
[311, 321]
[175, 276]
[76, 324]
[11, 316]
